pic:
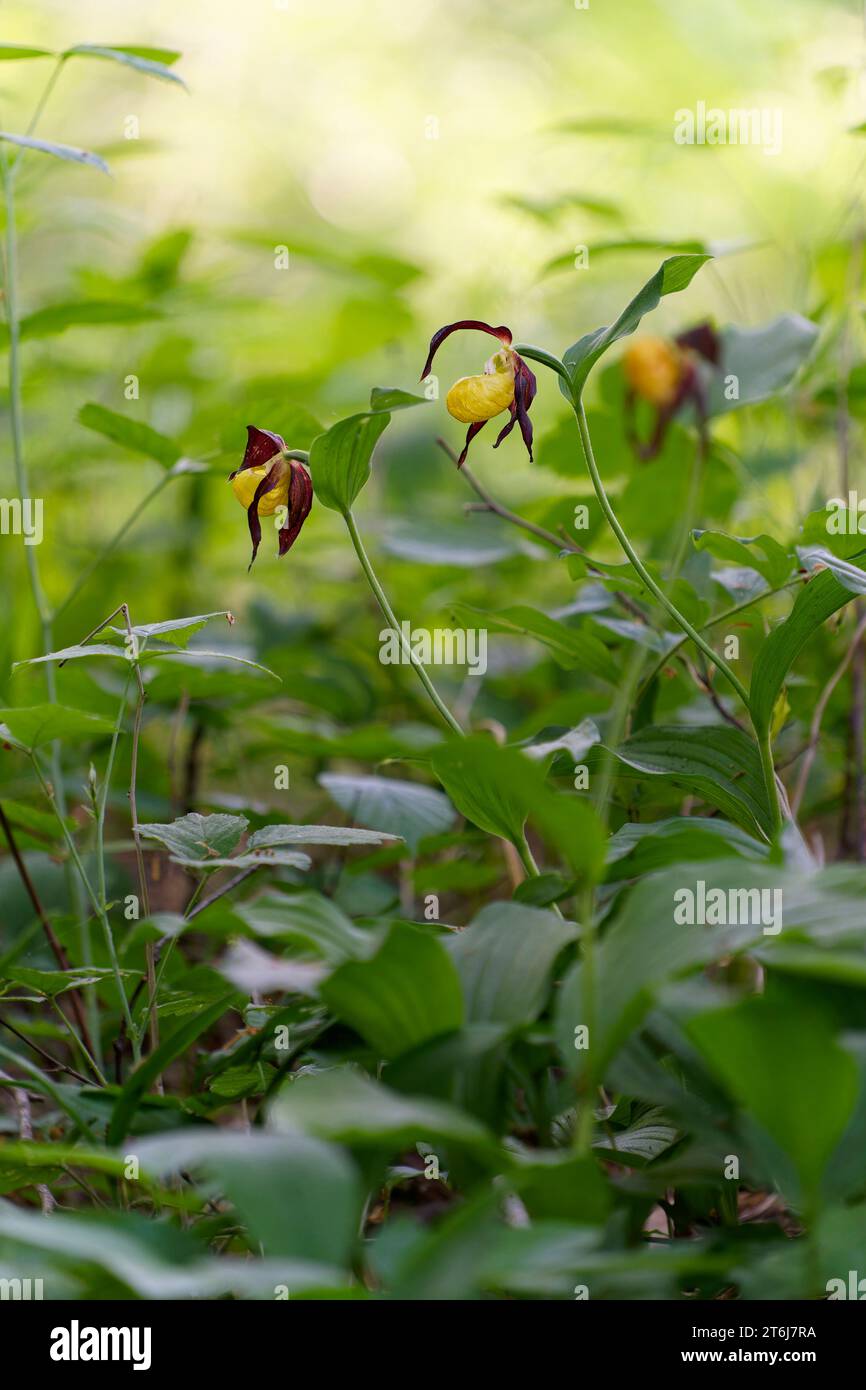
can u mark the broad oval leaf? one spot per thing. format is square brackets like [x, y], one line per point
[763, 360]
[340, 458]
[505, 957]
[197, 837]
[405, 994]
[405, 809]
[489, 785]
[718, 763]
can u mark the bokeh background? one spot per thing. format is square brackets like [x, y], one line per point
[421, 163]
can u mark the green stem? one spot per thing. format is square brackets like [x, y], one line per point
[762, 739]
[714, 622]
[527, 859]
[16, 420]
[98, 907]
[15, 407]
[638, 565]
[388, 613]
[41, 104]
[79, 1044]
[546, 359]
[103, 796]
[107, 550]
[765, 748]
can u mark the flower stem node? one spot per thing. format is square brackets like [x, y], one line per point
[505, 384]
[268, 481]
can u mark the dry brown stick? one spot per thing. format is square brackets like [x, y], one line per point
[46, 1056]
[703, 682]
[75, 1000]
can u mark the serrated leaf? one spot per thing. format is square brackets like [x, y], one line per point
[271, 835]
[255, 859]
[196, 837]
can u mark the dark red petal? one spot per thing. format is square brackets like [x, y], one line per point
[268, 482]
[300, 502]
[525, 386]
[261, 447]
[470, 435]
[502, 333]
[690, 389]
[704, 340]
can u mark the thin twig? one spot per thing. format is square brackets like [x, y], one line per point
[75, 1000]
[46, 1056]
[559, 542]
[221, 892]
[25, 1129]
[703, 682]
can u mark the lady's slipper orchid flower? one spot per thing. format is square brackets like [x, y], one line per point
[270, 481]
[505, 384]
[666, 374]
